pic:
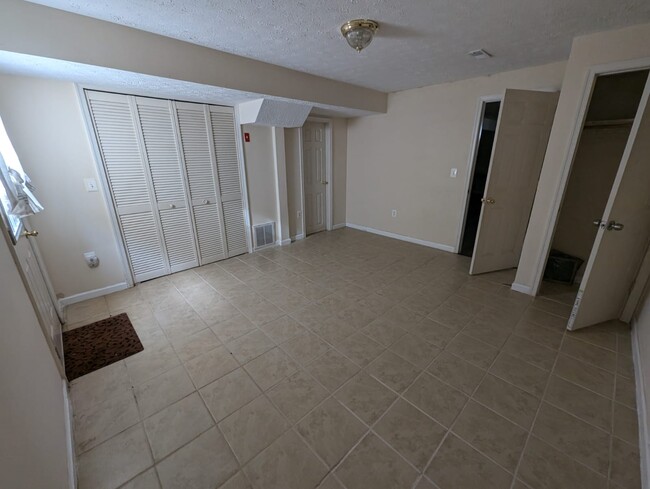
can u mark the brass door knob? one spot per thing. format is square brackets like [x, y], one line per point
[488, 201]
[30, 234]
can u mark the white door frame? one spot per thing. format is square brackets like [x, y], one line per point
[239, 143]
[471, 162]
[105, 187]
[592, 74]
[328, 174]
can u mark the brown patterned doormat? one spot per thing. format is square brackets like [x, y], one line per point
[99, 344]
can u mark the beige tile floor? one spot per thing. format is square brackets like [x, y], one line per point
[350, 360]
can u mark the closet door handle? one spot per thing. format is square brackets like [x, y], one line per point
[206, 201]
[172, 206]
[614, 226]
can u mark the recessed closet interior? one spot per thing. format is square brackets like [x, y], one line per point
[614, 102]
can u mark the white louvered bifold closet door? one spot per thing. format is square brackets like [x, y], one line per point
[117, 137]
[225, 145]
[168, 181]
[201, 173]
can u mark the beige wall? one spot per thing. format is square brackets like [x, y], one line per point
[260, 174]
[587, 51]
[44, 121]
[32, 29]
[402, 160]
[33, 439]
[597, 160]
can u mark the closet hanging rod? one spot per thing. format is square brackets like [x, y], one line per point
[609, 123]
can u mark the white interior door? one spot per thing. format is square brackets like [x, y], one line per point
[128, 179]
[521, 138]
[36, 282]
[315, 176]
[161, 155]
[202, 180]
[623, 235]
[230, 178]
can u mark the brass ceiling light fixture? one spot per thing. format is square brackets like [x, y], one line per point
[359, 32]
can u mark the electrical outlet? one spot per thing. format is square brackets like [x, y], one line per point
[393, 213]
[91, 259]
[454, 172]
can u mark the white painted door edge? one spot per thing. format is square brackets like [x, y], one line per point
[388, 234]
[642, 409]
[72, 460]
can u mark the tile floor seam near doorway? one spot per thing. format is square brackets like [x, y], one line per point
[343, 271]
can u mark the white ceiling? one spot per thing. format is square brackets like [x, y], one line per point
[420, 42]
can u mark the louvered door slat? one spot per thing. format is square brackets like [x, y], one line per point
[179, 239]
[233, 216]
[223, 133]
[160, 144]
[225, 146]
[200, 169]
[117, 138]
[208, 227]
[164, 163]
[143, 246]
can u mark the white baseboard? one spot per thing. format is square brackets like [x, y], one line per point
[72, 464]
[92, 294]
[298, 237]
[401, 237]
[642, 409]
[524, 289]
[285, 242]
[338, 226]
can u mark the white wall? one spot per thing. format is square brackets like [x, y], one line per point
[294, 175]
[587, 51]
[402, 159]
[260, 174]
[44, 121]
[33, 450]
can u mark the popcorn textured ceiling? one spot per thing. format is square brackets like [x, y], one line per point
[419, 43]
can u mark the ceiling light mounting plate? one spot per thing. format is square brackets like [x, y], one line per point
[359, 32]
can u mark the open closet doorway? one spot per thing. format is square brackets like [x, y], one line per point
[603, 226]
[316, 163]
[483, 153]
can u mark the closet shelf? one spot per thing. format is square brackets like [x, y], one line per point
[611, 122]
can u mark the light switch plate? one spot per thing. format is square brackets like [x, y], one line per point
[453, 173]
[90, 184]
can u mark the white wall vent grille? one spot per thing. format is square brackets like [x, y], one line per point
[264, 234]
